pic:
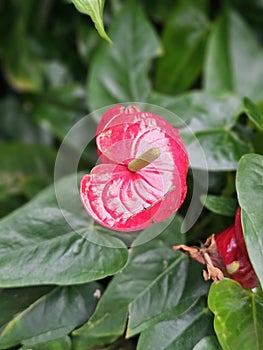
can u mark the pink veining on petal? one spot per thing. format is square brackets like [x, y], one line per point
[128, 201]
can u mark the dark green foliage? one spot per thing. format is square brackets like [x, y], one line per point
[66, 283]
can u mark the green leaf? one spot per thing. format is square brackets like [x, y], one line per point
[238, 315]
[93, 8]
[51, 316]
[59, 108]
[222, 149]
[156, 284]
[179, 333]
[254, 113]
[208, 343]
[25, 73]
[249, 184]
[220, 205]
[208, 111]
[15, 300]
[57, 344]
[26, 160]
[171, 105]
[24, 128]
[209, 118]
[232, 49]
[183, 40]
[119, 71]
[21, 167]
[42, 243]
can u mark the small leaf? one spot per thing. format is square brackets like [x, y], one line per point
[220, 205]
[178, 333]
[119, 72]
[51, 316]
[238, 315]
[249, 183]
[254, 113]
[93, 8]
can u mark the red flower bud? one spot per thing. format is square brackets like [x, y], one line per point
[232, 249]
[225, 255]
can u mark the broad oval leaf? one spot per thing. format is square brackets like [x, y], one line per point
[51, 316]
[118, 72]
[93, 8]
[232, 48]
[222, 148]
[14, 300]
[184, 40]
[220, 205]
[238, 315]
[208, 111]
[38, 245]
[211, 117]
[179, 333]
[157, 284]
[249, 182]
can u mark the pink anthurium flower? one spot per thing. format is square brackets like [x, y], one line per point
[142, 176]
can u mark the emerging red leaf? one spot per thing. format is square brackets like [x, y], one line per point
[142, 175]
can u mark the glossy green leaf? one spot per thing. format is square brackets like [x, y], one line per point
[38, 245]
[171, 104]
[57, 344]
[25, 73]
[15, 300]
[179, 333]
[249, 183]
[222, 149]
[254, 113]
[208, 111]
[93, 8]
[238, 315]
[232, 49]
[60, 108]
[51, 316]
[220, 205]
[183, 40]
[24, 171]
[209, 118]
[157, 284]
[25, 159]
[17, 124]
[208, 343]
[119, 71]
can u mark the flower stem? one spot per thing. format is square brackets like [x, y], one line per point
[145, 159]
